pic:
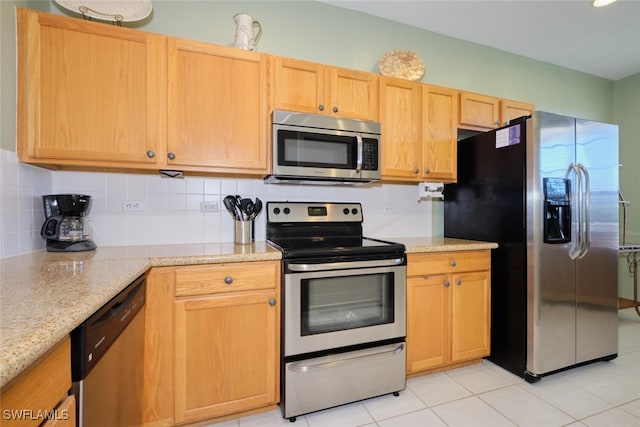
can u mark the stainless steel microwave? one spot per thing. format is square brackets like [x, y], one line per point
[312, 148]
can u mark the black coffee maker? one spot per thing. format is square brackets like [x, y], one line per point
[65, 227]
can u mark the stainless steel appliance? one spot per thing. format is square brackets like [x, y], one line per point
[314, 148]
[106, 361]
[66, 228]
[344, 307]
[545, 188]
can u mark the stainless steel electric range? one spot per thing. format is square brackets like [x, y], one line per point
[343, 307]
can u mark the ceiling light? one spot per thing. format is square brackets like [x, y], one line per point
[600, 3]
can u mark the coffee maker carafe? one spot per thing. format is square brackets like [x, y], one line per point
[66, 227]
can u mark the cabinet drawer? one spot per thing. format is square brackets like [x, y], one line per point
[447, 262]
[232, 277]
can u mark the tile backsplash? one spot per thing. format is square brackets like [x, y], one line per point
[171, 207]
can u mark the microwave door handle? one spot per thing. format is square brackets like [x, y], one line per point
[360, 154]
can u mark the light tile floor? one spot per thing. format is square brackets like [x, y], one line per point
[603, 394]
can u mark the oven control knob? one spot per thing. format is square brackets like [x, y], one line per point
[276, 211]
[286, 211]
[354, 211]
[345, 211]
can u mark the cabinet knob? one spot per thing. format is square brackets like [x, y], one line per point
[151, 154]
[335, 109]
[453, 263]
[427, 171]
[321, 107]
[272, 302]
[446, 283]
[498, 122]
[171, 156]
[228, 280]
[416, 170]
[458, 282]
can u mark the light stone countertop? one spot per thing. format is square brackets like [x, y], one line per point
[45, 295]
[441, 244]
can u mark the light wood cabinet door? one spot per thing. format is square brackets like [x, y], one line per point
[353, 93]
[225, 354]
[218, 118]
[428, 322]
[298, 85]
[89, 94]
[471, 315]
[510, 110]
[310, 87]
[478, 111]
[439, 135]
[400, 120]
[448, 309]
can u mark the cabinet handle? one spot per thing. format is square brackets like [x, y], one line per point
[228, 280]
[416, 170]
[458, 282]
[171, 156]
[151, 154]
[427, 171]
[272, 302]
[453, 263]
[335, 109]
[321, 107]
[446, 283]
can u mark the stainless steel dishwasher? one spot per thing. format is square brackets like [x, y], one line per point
[106, 361]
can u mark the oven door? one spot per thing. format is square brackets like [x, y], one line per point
[328, 306]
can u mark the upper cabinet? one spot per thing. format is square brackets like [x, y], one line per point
[482, 112]
[88, 93]
[510, 110]
[309, 87]
[100, 96]
[418, 131]
[439, 130]
[218, 119]
[401, 134]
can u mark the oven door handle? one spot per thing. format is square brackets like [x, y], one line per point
[309, 367]
[345, 265]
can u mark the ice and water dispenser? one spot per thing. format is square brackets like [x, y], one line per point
[557, 210]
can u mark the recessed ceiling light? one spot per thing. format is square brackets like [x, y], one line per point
[600, 3]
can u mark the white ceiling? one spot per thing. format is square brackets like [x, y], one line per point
[604, 41]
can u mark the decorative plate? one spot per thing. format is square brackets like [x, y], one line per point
[109, 10]
[403, 64]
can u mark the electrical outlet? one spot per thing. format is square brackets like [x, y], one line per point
[208, 206]
[133, 205]
[388, 208]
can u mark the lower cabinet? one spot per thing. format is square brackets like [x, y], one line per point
[448, 306]
[211, 341]
[40, 395]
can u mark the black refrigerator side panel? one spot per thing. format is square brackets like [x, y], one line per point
[488, 203]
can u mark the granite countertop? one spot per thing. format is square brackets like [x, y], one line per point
[441, 244]
[45, 295]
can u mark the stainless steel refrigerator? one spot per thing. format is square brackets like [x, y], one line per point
[545, 188]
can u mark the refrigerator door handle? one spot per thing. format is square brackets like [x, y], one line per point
[576, 248]
[586, 208]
